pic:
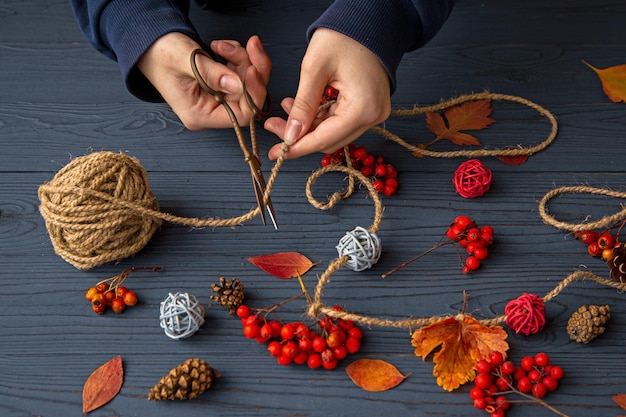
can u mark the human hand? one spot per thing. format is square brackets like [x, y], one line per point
[364, 97]
[167, 65]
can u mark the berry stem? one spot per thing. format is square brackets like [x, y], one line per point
[426, 252]
[533, 399]
[117, 280]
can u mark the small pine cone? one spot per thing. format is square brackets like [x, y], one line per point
[588, 322]
[617, 263]
[230, 293]
[188, 380]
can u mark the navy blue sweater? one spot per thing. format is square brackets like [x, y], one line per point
[124, 29]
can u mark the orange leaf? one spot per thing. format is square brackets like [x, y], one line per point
[103, 384]
[283, 264]
[374, 375]
[620, 399]
[464, 341]
[471, 115]
[613, 81]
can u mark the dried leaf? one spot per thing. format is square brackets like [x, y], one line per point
[620, 399]
[613, 81]
[283, 264]
[374, 375]
[514, 160]
[103, 384]
[471, 115]
[464, 341]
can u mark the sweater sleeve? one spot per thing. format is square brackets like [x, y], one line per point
[388, 28]
[123, 30]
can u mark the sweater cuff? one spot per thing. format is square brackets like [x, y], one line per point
[130, 27]
[388, 28]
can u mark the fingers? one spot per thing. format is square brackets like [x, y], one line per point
[259, 58]
[218, 76]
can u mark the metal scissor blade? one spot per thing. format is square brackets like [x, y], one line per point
[259, 190]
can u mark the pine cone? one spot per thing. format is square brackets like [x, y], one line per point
[617, 263]
[588, 322]
[188, 380]
[229, 293]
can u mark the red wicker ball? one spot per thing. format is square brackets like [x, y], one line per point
[526, 314]
[472, 179]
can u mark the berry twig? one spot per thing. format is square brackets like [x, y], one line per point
[415, 258]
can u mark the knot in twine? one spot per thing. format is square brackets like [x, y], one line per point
[94, 209]
[526, 314]
[361, 247]
[181, 315]
[472, 179]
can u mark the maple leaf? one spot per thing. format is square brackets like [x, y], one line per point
[613, 81]
[471, 115]
[103, 384]
[283, 264]
[464, 341]
[374, 375]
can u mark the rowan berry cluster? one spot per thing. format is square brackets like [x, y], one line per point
[296, 343]
[383, 175]
[474, 239]
[599, 244]
[106, 294]
[495, 377]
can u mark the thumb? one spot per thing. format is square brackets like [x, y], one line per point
[305, 107]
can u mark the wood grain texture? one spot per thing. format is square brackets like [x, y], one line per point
[60, 99]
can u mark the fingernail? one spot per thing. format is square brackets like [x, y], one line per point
[231, 85]
[292, 132]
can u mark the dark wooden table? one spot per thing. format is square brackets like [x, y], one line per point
[60, 99]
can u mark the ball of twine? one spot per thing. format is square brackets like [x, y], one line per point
[181, 315]
[361, 247]
[472, 179]
[526, 314]
[93, 209]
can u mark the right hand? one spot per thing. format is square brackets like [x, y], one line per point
[166, 64]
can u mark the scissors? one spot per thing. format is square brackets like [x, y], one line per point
[251, 156]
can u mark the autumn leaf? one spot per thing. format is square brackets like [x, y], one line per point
[374, 375]
[471, 115]
[613, 81]
[103, 385]
[463, 341]
[620, 399]
[283, 264]
[514, 160]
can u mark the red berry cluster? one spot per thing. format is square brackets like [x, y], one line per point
[474, 239]
[599, 244]
[384, 176]
[296, 343]
[107, 294]
[535, 376]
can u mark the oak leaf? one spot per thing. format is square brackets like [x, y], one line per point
[283, 264]
[471, 115]
[103, 384]
[374, 375]
[613, 81]
[463, 341]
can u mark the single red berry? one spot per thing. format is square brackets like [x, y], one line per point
[120, 291]
[319, 344]
[391, 172]
[130, 298]
[606, 240]
[340, 352]
[481, 253]
[290, 349]
[355, 332]
[524, 385]
[476, 393]
[502, 403]
[379, 186]
[473, 234]
[498, 412]
[243, 311]
[519, 374]
[103, 287]
[472, 262]
[345, 325]
[483, 380]
[326, 160]
[284, 360]
[288, 331]
[369, 160]
[381, 170]
[388, 191]
[300, 358]
[305, 344]
[266, 332]
[391, 182]
[90, 293]
[331, 93]
[507, 368]
[556, 372]
[588, 236]
[110, 295]
[542, 359]
[360, 153]
[314, 360]
[550, 383]
[534, 376]
[353, 345]
[483, 366]
[528, 363]
[367, 171]
[594, 249]
[330, 364]
[117, 305]
[496, 358]
[503, 383]
[98, 303]
[251, 331]
[539, 390]
[274, 348]
[464, 222]
[480, 403]
[334, 339]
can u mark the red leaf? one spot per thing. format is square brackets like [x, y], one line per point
[620, 399]
[514, 160]
[283, 264]
[103, 385]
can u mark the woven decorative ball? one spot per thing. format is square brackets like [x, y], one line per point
[181, 315]
[472, 179]
[362, 247]
[526, 314]
[90, 209]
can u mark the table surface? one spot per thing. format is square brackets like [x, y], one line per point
[60, 99]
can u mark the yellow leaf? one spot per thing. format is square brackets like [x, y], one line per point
[613, 81]
[374, 374]
[463, 341]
